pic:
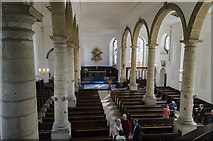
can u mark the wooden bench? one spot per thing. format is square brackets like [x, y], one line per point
[155, 121]
[156, 129]
[86, 124]
[76, 133]
[100, 138]
[161, 136]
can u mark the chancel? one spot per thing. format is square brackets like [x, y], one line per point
[71, 70]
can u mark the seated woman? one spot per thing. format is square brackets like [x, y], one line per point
[117, 130]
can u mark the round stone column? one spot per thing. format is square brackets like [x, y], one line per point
[61, 123]
[150, 98]
[133, 85]
[185, 121]
[18, 99]
[123, 65]
[70, 75]
[76, 66]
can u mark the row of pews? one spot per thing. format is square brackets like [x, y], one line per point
[88, 121]
[42, 93]
[170, 94]
[150, 117]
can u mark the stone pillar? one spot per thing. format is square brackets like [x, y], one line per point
[150, 98]
[76, 66]
[18, 101]
[185, 121]
[123, 65]
[70, 75]
[133, 85]
[61, 127]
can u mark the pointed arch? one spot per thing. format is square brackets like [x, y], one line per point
[125, 35]
[197, 18]
[137, 29]
[168, 7]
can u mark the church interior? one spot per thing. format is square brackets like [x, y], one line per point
[70, 69]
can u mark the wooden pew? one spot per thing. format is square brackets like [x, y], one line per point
[76, 133]
[161, 136]
[100, 138]
[156, 121]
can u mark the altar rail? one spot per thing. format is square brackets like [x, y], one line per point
[141, 73]
[111, 72]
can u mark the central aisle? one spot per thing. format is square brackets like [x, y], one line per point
[110, 109]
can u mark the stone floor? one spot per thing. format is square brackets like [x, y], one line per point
[110, 109]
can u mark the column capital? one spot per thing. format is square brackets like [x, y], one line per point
[19, 8]
[152, 45]
[134, 46]
[191, 42]
[70, 44]
[58, 39]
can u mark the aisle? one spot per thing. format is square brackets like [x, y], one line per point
[110, 109]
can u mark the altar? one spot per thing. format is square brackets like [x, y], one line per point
[97, 74]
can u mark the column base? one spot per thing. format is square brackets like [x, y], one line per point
[61, 131]
[63, 134]
[71, 102]
[133, 87]
[184, 128]
[150, 99]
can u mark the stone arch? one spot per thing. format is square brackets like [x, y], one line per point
[162, 77]
[197, 18]
[137, 29]
[48, 53]
[125, 35]
[160, 17]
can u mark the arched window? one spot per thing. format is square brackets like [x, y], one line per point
[167, 43]
[115, 46]
[140, 52]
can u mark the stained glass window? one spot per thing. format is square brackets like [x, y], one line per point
[140, 52]
[115, 52]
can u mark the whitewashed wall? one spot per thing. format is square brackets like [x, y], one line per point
[89, 41]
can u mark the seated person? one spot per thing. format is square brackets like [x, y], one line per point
[125, 85]
[166, 112]
[118, 85]
[172, 107]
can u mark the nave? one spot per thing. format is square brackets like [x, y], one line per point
[153, 53]
[96, 112]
